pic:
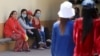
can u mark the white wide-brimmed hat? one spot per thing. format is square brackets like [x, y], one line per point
[66, 10]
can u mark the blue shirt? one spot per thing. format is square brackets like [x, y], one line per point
[28, 22]
[62, 45]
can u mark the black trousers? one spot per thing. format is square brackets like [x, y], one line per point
[47, 35]
[35, 36]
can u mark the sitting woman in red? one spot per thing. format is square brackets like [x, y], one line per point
[87, 32]
[13, 30]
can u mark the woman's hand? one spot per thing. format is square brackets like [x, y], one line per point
[39, 30]
[30, 32]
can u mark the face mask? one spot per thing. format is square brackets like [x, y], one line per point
[24, 15]
[38, 15]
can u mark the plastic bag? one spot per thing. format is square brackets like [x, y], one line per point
[26, 38]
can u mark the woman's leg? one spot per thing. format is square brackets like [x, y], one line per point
[37, 37]
[31, 36]
[42, 42]
[26, 46]
[18, 43]
[43, 34]
[47, 36]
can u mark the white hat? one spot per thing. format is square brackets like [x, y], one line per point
[66, 10]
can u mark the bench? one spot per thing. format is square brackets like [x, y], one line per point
[5, 40]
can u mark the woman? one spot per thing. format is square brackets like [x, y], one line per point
[23, 22]
[13, 30]
[36, 19]
[37, 42]
[27, 28]
[86, 31]
[44, 32]
[62, 33]
[77, 13]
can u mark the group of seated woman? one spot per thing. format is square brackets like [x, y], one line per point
[27, 26]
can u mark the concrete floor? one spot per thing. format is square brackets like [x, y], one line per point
[45, 52]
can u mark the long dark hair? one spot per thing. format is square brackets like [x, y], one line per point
[23, 10]
[88, 14]
[77, 10]
[36, 12]
[63, 22]
[77, 13]
[12, 13]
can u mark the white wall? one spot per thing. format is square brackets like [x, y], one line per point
[49, 8]
[6, 6]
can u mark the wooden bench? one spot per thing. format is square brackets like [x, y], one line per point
[6, 44]
[5, 40]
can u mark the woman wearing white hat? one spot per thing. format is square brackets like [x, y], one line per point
[87, 31]
[62, 32]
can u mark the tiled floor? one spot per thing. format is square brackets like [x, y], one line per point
[45, 52]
